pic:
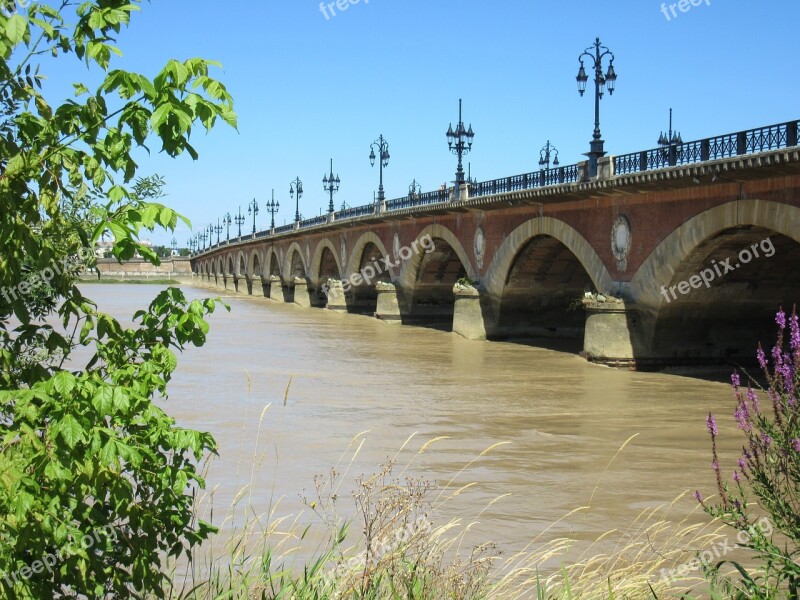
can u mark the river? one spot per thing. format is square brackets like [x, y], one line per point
[561, 419]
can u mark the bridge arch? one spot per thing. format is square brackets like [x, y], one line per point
[747, 250]
[438, 260]
[356, 254]
[536, 279]
[272, 262]
[295, 265]
[325, 263]
[229, 265]
[254, 265]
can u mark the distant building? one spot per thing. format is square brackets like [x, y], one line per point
[103, 249]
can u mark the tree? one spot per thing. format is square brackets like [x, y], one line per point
[85, 452]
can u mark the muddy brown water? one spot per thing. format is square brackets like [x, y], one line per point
[563, 420]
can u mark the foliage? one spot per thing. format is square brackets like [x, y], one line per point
[85, 451]
[766, 482]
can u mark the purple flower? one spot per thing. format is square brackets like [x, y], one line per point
[751, 395]
[766, 439]
[796, 444]
[794, 327]
[715, 465]
[697, 496]
[762, 359]
[742, 417]
[780, 319]
[711, 424]
[741, 464]
[736, 477]
[735, 380]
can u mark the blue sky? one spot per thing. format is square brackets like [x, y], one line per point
[308, 88]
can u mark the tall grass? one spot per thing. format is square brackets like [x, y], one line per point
[388, 543]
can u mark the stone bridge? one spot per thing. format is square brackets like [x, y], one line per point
[678, 255]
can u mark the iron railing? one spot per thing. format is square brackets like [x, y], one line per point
[752, 141]
[527, 181]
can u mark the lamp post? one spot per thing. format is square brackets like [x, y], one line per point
[190, 245]
[218, 229]
[459, 142]
[252, 208]
[272, 207]
[203, 237]
[669, 143]
[545, 155]
[383, 151]
[296, 187]
[210, 231]
[601, 82]
[174, 245]
[239, 219]
[226, 220]
[414, 190]
[331, 185]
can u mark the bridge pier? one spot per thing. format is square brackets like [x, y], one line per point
[470, 313]
[334, 291]
[275, 288]
[615, 334]
[388, 309]
[302, 297]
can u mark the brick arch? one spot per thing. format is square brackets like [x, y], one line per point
[287, 265]
[496, 275]
[272, 258]
[229, 264]
[354, 262]
[409, 269]
[240, 265]
[663, 262]
[316, 261]
[254, 259]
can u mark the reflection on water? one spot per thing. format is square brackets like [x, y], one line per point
[564, 419]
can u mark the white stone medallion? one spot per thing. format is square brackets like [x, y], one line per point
[621, 241]
[479, 245]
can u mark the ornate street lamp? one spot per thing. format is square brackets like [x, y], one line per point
[190, 244]
[460, 143]
[601, 82]
[669, 143]
[383, 151]
[253, 208]
[239, 219]
[296, 186]
[330, 185]
[545, 155]
[226, 220]
[272, 207]
[203, 237]
[210, 231]
[414, 190]
[218, 229]
[174, 245]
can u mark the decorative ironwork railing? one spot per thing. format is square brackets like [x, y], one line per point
[527, 181]
[752, 141]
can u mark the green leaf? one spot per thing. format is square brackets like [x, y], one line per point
[71, 431]
[16, 28]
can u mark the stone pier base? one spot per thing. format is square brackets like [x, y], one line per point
[301, 293]
[388, 308]
[335, 293]
[468, 315]
[614, 334]
[275, 288]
